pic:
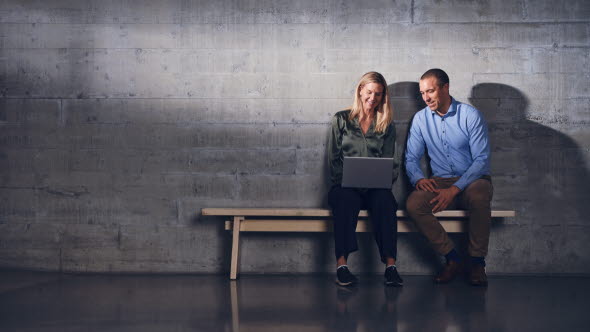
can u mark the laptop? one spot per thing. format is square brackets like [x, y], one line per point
[366, 172]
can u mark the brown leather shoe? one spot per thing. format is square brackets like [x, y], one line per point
[449, 272]
[477, 275]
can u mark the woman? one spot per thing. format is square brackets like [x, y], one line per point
[366, 130]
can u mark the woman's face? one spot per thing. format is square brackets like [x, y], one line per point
[371, 96]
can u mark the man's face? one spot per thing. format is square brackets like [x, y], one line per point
[435, 96]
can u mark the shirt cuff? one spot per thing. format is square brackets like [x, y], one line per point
[461, 183]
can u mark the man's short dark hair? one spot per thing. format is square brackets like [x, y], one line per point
[439, 74]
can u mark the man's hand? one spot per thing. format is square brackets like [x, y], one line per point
[426, 185]
[444, 198]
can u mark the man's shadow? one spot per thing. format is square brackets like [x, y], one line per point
[540, 173]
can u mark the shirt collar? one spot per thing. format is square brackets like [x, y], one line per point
[357, 123]
[452, 109]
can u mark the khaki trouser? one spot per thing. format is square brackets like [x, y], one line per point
[476, 198]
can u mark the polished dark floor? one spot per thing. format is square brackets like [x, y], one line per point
[54, 302]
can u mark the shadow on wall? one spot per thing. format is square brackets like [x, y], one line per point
[536, 170]
[406, 101]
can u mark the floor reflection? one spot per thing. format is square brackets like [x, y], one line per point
[53, 302]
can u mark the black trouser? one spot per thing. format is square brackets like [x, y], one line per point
[346, 204]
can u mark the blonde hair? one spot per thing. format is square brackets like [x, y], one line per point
[384, 112]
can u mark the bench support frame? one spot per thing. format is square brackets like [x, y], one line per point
[317, 220]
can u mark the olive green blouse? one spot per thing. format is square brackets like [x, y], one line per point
[347, 139]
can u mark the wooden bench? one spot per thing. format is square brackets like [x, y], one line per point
[315, 220]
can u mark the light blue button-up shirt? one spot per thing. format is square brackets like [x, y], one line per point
[457, 144]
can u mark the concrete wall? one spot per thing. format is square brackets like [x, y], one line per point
[120, 120]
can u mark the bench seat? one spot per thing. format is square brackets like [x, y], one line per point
[317, 220]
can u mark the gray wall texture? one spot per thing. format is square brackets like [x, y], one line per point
[120, 120]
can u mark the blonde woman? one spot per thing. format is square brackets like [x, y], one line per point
[365, 130]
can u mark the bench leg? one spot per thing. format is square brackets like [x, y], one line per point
[235, 248]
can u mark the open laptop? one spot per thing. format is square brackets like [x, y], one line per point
[366, 172]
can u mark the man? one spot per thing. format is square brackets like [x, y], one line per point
[456, 138]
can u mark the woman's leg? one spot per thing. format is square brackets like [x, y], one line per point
[345, 204]
[382, 211]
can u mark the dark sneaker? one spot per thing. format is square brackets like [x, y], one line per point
[392, 278]
[344, 277]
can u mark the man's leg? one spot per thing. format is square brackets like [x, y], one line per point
[420, 210]
[477, 199]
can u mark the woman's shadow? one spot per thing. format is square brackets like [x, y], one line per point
[406, 101]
